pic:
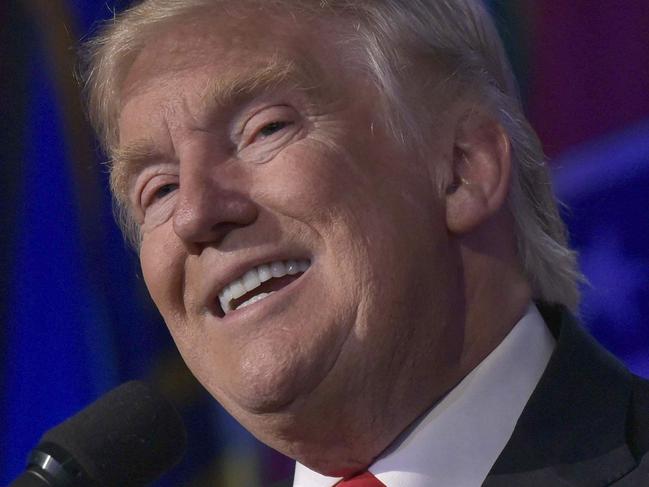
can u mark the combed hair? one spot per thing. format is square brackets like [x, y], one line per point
[457, 36]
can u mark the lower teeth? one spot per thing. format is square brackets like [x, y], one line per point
[254, 299]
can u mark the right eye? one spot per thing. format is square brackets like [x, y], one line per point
[163, 191]
[154, 193]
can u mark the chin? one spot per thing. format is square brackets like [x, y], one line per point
[275, 370]
[265, 397]
[269, 382]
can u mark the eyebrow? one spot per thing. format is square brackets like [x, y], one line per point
[306, 77]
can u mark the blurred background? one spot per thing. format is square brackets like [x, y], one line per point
[77, 320]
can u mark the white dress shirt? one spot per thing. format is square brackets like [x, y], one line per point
[458, 441]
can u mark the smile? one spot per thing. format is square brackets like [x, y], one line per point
[260, 282]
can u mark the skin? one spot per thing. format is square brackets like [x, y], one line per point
[408, 290]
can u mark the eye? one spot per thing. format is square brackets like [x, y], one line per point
[163, 191]
[266, 132]
[152, 194]
[272, 128]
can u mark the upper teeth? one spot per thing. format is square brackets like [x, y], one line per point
[253, 279]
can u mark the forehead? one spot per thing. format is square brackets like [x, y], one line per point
[228, 44]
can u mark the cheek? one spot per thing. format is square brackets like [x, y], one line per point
[162, 267]
[160, 214]
[306, 178]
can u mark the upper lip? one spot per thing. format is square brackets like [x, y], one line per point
[236, 268]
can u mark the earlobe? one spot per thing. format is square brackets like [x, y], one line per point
[481, 172]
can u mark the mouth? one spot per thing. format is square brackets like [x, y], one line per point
[259, 283]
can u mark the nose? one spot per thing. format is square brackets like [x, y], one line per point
[207, 210]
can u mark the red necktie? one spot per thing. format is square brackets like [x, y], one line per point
[365, 479]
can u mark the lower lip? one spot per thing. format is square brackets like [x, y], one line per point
[248, 312]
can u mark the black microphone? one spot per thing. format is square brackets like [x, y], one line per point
[127, 438]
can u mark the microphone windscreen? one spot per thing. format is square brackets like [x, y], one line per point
[128, 437]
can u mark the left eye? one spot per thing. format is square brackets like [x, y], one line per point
[271, 128]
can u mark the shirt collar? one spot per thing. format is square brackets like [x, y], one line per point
[458, 441]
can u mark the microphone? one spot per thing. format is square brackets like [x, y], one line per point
[126, 438]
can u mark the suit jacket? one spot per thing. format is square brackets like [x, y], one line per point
[586, 423]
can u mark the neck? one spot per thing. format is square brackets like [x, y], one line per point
[496, 290]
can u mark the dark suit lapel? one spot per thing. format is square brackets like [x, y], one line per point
[572, 431]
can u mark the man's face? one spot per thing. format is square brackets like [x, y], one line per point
[227, 175]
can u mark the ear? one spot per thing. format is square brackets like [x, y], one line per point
[481, 172]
